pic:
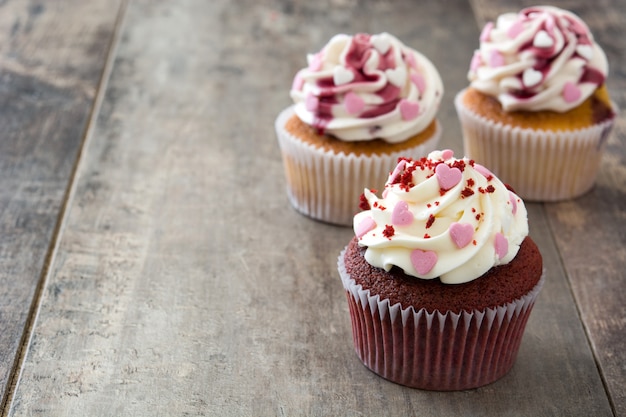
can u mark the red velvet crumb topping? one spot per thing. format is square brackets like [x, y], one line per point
[363, 203]
[467, 192]
[459, 163]
[430, 221]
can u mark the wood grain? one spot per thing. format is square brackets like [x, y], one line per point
[49, 71]
[590, 231]
[185, 284]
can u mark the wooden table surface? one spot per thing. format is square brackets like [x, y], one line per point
[151, 265]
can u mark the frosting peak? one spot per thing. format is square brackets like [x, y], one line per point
[542, 58]
[366, 87]
[441, 217]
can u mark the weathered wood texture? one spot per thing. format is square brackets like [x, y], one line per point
[51, 59]
[185, 284]
[590, 231]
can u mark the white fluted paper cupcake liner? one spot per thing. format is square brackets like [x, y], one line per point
[540, 165]
[435, 351]
[325, 185]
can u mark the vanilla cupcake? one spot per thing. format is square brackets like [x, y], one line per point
[362, 102]
[537, 110]
[441, 275]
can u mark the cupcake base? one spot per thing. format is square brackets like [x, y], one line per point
[435, 351]
[541, 165]
[326, 184]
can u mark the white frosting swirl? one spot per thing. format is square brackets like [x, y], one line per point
[543, 58]
[366, 87]
[442, 217]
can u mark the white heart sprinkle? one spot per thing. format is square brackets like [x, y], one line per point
[381, 43]
[342, 75]
[586, 51]
[531, 77]
[543, 40]
[397, 76]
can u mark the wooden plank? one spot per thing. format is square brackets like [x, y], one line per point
[590, 231]
[51, 58]
[184, 282]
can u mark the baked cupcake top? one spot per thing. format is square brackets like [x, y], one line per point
[441, 217]
[542, 58]
[366, 87]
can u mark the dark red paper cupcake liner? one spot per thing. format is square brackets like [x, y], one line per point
[435, 351]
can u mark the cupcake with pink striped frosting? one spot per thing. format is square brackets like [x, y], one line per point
[362, 101]
[538, 95]
[440, 275]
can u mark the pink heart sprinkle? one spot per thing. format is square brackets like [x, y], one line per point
[496, 59]
[486, 32]
[461, 234]
[515, 29]
[484, 171]
[477, 61]
[419, 82]
[364, 226]
[401, 216]
[447, 177]
[409, 109]
[311, 103]
[316, 62]
[410, 59]
[571, 92]
[423, 261]
[354, 103]
[513, 200]
[447, 154]
[502, 245]
[298, 83]
[397, 170]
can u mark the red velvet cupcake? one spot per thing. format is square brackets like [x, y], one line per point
[441, 276]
